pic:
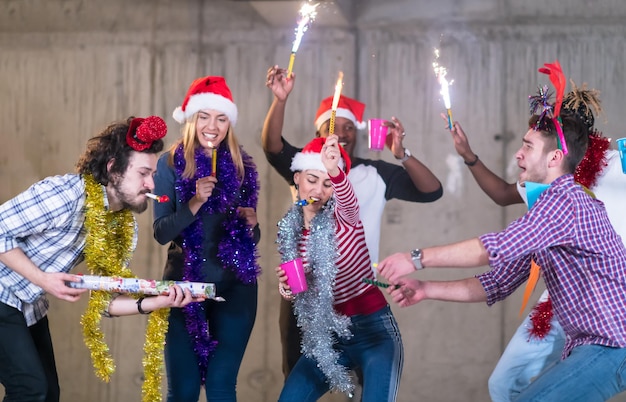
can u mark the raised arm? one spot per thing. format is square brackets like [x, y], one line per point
[281, 87]
[423, 179]
[501, 192]
[347, 204]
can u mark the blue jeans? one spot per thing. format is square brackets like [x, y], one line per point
[375, 348]
[230, 323]
[27, 369]
[523, 359]
[590, 373]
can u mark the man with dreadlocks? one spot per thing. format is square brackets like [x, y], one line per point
[539, 339]
[569, 235]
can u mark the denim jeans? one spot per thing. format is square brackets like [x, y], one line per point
[375, 348]
[590, 373]
[523, 359]
[230, 323]
[27, 370]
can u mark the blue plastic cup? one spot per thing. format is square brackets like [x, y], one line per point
[621, 146]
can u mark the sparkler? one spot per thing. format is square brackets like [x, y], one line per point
[214, 162]
[440, 73]
[333, 112]
[307, 16]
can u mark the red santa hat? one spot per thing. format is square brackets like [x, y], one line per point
[348, 108]
[207, 93]
[310, 157]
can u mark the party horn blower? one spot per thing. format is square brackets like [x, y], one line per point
[158, 198]
[308, 201]
[440, 73]
[307, 16]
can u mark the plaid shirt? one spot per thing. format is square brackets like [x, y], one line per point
[47, 222]
[582, 258]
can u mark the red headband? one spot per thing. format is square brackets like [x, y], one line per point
[143, 132]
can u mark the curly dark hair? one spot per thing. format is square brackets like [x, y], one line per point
[576, 135]
[110, 144]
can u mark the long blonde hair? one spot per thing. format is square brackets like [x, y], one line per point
[190, 142]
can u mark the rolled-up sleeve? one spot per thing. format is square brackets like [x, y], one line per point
[548, 224]
[503, 279]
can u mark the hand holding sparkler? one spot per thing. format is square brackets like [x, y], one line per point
[204, 189]
[461, 143]
[307, 16]
[280, 84]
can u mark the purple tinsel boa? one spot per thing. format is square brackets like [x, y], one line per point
[236, 250]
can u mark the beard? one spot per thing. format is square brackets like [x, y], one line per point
[127, 200]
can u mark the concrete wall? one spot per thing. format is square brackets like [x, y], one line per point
[70, 67]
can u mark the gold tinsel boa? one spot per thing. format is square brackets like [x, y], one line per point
[108, 248]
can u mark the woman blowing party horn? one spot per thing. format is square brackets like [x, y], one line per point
[346, 323]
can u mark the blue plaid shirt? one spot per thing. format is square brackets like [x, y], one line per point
[47, 222]
[582, 258]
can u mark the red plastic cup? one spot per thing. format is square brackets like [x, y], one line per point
[377, 134]
[295, 275]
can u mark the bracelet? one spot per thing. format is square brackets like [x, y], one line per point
[141, 311]
[284, 292]
[472, 163]
[405, 157]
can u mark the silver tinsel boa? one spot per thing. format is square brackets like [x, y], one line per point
[316, 316]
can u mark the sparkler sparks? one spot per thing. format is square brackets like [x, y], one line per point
[440, 73]
[307, 12]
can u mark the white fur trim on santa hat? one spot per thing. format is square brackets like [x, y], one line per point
[341, 112]
[310, 161]
[205, 101]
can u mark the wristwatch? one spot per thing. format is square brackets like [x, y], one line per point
[416, 256]
[407, 155]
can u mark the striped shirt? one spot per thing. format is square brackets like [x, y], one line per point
[583, 261]
[352, 295]
[47, 222]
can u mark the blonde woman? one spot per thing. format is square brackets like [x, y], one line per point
[212, 229]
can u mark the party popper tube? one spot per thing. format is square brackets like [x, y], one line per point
[116, 284]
